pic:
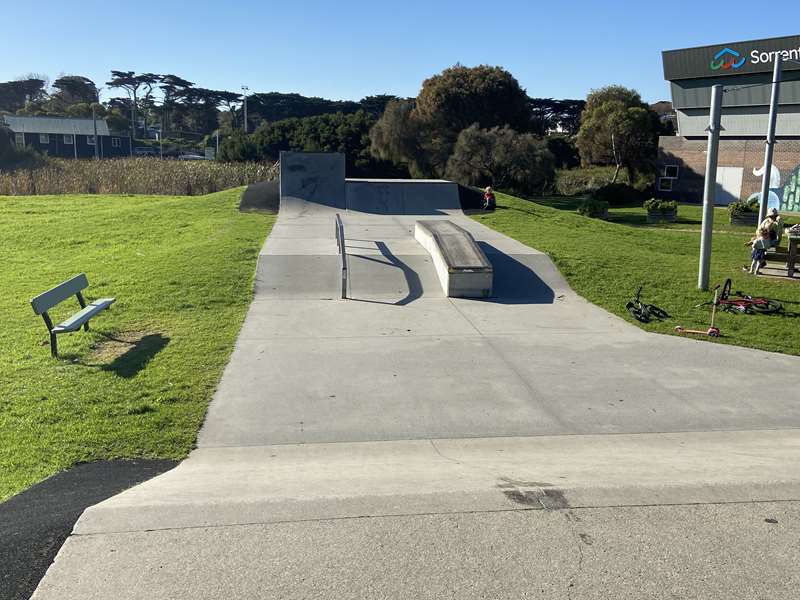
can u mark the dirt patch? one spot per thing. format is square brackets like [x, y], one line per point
[111, 347]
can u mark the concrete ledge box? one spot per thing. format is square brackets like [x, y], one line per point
[462, 267]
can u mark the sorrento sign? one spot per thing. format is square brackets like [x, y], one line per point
[737, 58]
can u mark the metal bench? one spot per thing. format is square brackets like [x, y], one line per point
[54, 296]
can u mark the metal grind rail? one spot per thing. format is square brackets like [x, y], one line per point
[342, 252]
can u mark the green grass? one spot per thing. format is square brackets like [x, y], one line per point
[182, 271]
[605, 261]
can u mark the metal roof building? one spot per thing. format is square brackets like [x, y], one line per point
[67, 137]
[56, 125]
[745, 69]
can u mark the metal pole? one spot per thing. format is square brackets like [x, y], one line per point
[216, 152]
[96, 141]
[709, 189]
[244, 90]
[770, 145]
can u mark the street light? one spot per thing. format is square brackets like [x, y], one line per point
[245, 89]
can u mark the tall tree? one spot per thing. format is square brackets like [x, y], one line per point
[617, 128]
[449, 103]
[171, 86]
[73, 89]
[15, 94]
[128, 81]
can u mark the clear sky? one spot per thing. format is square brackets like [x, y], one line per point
[349, 49]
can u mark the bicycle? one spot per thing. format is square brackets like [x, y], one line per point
[644, 312]
[740, 302]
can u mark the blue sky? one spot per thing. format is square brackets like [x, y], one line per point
[350, 49]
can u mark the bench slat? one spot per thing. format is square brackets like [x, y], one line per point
[47, 300]
[79, 318]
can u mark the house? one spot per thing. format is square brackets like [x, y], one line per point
[68, 138]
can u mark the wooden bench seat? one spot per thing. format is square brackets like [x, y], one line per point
[42, 303]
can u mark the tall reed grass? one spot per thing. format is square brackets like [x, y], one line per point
[131, 176]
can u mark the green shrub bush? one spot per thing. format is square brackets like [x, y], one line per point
[618, 194]
[593, 208]
[574, 182]
[742, 207]
[656, 205]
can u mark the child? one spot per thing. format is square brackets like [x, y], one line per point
[488, 199]
[760, 243]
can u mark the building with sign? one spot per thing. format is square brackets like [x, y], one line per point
[745, 70]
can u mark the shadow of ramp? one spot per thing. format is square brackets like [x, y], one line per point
[264, 196]
[515, 282]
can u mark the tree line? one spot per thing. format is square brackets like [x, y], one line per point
[166, 102]
[475, 125]
[472, 124]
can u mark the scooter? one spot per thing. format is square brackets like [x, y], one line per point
[712, 331]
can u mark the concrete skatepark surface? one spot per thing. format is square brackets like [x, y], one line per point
[401, 444]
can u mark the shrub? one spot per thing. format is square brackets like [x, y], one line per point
[741, 207]
[503, 158]
[575, 182]
[593, 208]
[618, 194]
[655, 205]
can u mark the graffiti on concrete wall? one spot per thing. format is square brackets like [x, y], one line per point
[786, 197]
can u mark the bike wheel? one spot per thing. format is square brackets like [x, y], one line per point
[726, 290]
[658, 313]
[638, 312]
[766, 306]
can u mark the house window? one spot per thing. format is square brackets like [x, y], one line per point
[68, 139]
[19, 138]
[671, 171]
[116, 143]
[44, 138]
[665, 184]
[90, 140]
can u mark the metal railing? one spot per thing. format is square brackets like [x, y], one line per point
[342, 252]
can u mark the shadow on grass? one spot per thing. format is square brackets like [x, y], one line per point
[128, 354]
[137, 356]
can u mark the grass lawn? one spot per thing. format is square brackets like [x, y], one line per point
[605, 261]
[138, 384]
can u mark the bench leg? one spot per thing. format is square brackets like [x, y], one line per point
[53, 345]
[86, 326]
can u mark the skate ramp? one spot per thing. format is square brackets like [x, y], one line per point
[402, 196]
[311, 179]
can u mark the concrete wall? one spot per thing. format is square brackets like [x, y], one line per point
[401, 196]
[747, 155]
[316, 177]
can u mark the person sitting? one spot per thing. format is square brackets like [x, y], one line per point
[489, 202]
[774, 226]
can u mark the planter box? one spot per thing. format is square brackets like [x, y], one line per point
[745, 219]
[662, 217]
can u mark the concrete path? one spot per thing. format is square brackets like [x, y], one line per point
[401, 444]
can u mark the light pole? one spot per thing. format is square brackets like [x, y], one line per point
[770, 147]
[245, 89]
[94, 124]
[709, 188]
